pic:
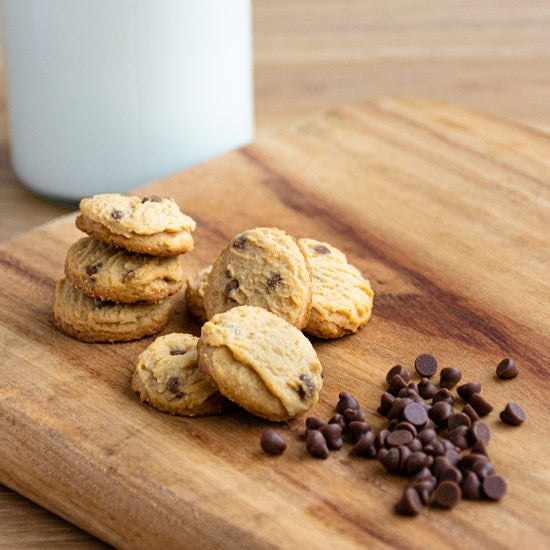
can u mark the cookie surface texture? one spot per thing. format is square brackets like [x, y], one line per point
[263, 267]
[167, 376]
[261, 362]
[92, 320]
[194, 294]
[108, 272]
[342, 298]
[152, 225]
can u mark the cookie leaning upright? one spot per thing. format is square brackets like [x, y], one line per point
[342, 297]
[260, 362]
[194, 294]
[152, 225]
[263, 267]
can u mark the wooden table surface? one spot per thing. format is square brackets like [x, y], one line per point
[311, 55]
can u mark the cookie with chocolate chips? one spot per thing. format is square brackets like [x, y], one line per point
[342, 298]
[261, 362]
[194, 294]
[105, 271]
[263, 267]
[167, 376]
[149, 225]
[95, 320]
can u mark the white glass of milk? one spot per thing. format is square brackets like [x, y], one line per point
[105, 95]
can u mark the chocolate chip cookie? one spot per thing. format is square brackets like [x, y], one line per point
[342, 298]
[150, 225]
[108, 272]
[263, 267]
[93, 320]
[167, 376]
[260, 362]
[194, 294]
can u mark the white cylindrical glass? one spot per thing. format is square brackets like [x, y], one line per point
[105, 95]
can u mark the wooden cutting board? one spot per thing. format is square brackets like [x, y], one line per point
[447, 212]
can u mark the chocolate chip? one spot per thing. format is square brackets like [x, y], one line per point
[417, 462]
[471, 487]
[410, 503]
[459, 437]
[507, 369]
[443, 395]
[390, 459]
[272, 443]
[483, 469]
[449, 377]
[398, 438]
[480, 448]
[451, 474]
[415, 414]
[407, 392]
[412, 386]
[396, 384]
[117, 214]
[494, 487]
[397, 408]
[480, 431]
[273, 280]
[407, 426]
[333, 436]
[92, 270]
[415, 445]
[435, 448]
[480, 405]
[172, 385]
[458, 419]
[307, 387]
[340, 420]
[130, 276]
[354, 415]
[316, 444]
[467, 461]
[100, 304]
[380, 439]
[357, 429]
[321, 249]
[465, 391]
[426, 388]
[314, 423]
[177, 352]
[386, 402]
[401, 371]
[425, 365]
[231, 285]
[427, 435]
[440, 464]
[447, 494]
[151, 198]
[451, 455]
[440, 413]
[346, 401]
[365, 446]
[424, 487]
[513, 414]
[468, 410]
[239, 242]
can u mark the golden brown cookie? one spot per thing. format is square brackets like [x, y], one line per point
[167, 376]
[342, 297]
[152, 225]
[263, 267]
[194, 294]
[92, 320]
[108, 272]
[260, 362]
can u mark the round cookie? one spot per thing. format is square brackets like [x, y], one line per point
[92, 320]
[342, 297]
[194, 294]
[152, 225]
[263, 267]
[260, 362]
[167, 376]
[107, 272]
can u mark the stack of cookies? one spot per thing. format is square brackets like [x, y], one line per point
[264, 288]
[119, 279]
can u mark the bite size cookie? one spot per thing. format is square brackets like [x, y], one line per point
[194, 294]
[152, 225]
[342, 298]
[108, 272]
[263, 267]
[93, 320]
[167, 376]
[260, 362]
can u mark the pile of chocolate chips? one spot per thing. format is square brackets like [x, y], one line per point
[426, 441]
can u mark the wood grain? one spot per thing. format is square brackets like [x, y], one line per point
[446, 211]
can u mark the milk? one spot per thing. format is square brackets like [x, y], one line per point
[105, 95]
